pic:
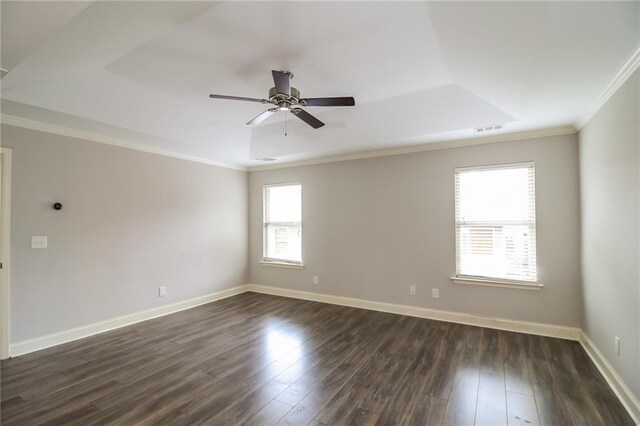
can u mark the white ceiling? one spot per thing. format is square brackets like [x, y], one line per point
[419, 71]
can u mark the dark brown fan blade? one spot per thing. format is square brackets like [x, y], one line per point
[282, 81]
[328, 102]
[259, 119]
[239, 98]
[307, 118]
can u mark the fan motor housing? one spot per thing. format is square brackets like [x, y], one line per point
[274, 96]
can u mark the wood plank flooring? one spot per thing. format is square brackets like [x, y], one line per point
[259, 360]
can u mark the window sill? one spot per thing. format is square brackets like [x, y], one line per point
[282, 264]
[488, 282]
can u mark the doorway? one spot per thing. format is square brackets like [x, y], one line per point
[5, 248]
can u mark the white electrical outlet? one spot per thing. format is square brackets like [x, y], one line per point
[162, 291]
[315, 279]
[435, 293]
[412, 290]
[617, 345]
[39, 242]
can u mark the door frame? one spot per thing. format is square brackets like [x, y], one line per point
[5, 250]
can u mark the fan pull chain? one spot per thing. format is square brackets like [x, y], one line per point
[285, 123]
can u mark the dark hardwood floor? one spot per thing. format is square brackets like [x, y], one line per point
[257, 359]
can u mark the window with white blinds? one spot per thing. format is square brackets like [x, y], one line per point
[496, 222]
[282, 223]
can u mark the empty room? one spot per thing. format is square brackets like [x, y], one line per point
[320, 213]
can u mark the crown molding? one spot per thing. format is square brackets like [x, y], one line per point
[625, 71]
[12, 120]
[26, 123]
[431, 146]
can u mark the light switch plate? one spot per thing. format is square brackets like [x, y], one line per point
[39, 242]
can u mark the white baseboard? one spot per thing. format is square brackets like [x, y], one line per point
[27, 346]
[622, 391]
[38, 343]
[540, 329]
[43, 342]
[625, 395]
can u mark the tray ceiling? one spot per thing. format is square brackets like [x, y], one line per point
[419, 71]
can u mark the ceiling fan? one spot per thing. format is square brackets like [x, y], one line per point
[287, 98]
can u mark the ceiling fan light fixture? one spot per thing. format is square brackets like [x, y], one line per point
[286, 98]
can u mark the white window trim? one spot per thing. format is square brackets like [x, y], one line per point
[282, 263]
[490, 281]
[494, 282]
[496, 166]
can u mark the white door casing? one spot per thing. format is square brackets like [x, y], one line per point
[5, 248]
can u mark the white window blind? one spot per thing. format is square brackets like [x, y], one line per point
[496, 222]
[282, 220]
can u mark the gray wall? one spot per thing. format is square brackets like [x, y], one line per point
[610, 194]
[373, 227]
[131, 222]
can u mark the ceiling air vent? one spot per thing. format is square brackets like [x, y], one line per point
[488, 128]
[267, 159]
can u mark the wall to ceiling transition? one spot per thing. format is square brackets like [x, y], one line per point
[373, 227]
[610, 198]
[131, 221]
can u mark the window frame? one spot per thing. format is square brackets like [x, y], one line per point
[488, 280]
[272, 261]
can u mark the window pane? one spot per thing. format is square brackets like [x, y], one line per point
[284, 203]
[283, 223]
[283, 242]
[495, 223]
[495, 195]
[506, 252]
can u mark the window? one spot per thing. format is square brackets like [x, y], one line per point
[282, 220]
[496, 222]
